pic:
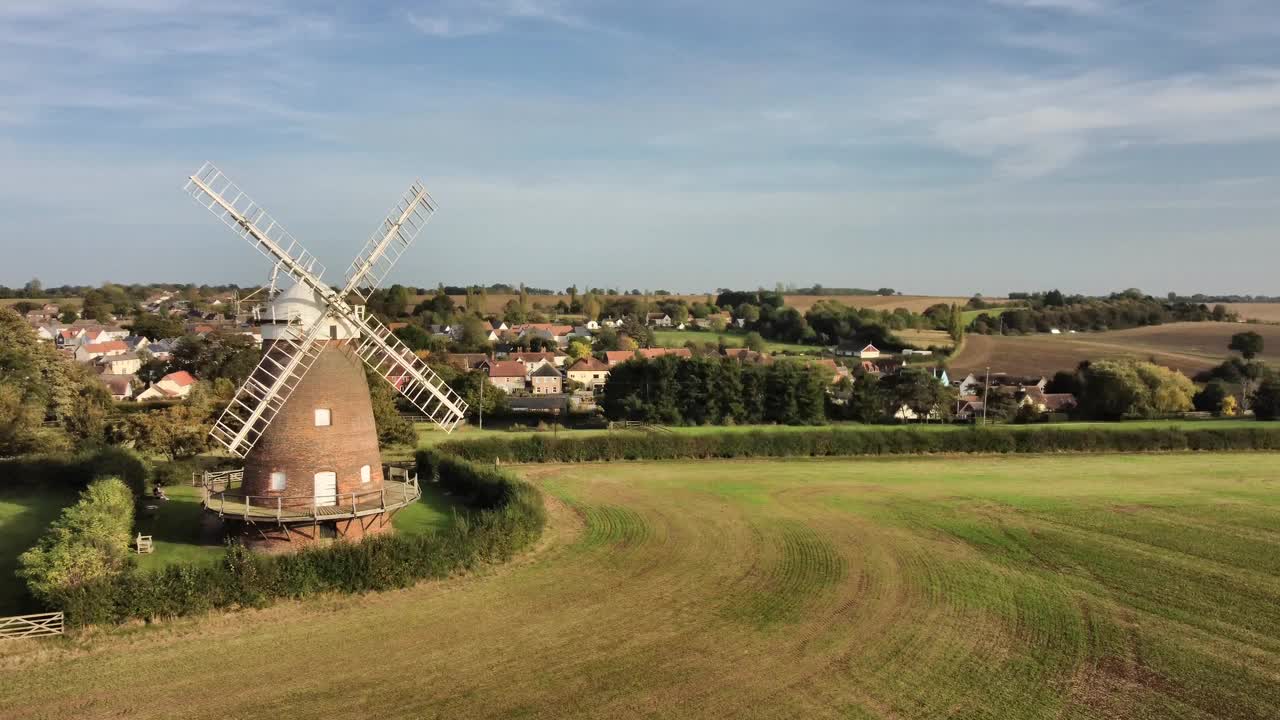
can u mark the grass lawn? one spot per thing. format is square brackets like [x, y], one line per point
[180, 530]
[23, 519]
[968, 316]
[1118, 586]
[677, 338]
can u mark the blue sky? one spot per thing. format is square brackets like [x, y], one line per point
[935, 146]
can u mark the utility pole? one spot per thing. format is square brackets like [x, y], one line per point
[986, 387]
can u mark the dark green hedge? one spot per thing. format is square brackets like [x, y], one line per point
[75, 472]
[505, 515]
[836, 442]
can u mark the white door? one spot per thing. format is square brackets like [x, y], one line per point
[326, 489]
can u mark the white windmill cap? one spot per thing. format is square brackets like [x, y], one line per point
[301, 305]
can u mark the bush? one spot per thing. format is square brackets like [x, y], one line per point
[77, 472]
[87, 544]
[836, 443]
[503, 516]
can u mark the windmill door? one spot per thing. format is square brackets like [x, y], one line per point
[326, 489]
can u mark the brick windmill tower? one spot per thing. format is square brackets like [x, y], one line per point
[303, 420]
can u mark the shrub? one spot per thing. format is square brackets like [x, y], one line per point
[503, 516]
[835, 442]
[87, 544]
[76, 472]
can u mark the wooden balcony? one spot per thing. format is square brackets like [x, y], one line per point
[223, 495]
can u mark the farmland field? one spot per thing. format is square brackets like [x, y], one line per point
[1189, 347]
[1264, 312]
[1144, 586]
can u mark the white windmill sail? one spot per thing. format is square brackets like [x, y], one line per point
[265, 392]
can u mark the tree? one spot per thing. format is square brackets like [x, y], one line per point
[392, 428]
[747, 312]
[1210, 398]
[1113, 389]
[579, 348]
[468, 386]
[33, 289]
[1266, 399]
[474, 336]
[216, 355]
[1230, 406]
[755, 342]
[1248, 344]
[413, 336]
[955, 322]
[919, 391]
[155, 327]
[45, 385]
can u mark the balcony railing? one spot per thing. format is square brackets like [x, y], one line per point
[223, 495]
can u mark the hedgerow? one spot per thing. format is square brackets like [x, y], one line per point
[75, 472]
[504, 515]
[836, 443]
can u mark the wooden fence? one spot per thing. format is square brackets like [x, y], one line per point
[38, 625]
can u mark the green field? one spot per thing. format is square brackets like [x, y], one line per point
[1082, 586]
[23, 519]
[677, 338]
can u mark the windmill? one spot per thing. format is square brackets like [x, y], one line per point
[303, 420]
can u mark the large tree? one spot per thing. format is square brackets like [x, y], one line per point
[1248, 344]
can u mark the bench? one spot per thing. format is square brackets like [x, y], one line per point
[143, 544]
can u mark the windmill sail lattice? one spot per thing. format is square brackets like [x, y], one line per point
[261, 396]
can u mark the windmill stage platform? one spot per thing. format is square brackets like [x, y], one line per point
[224, 495]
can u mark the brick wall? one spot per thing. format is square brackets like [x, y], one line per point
[293, 444]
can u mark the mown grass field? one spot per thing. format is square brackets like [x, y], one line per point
[1143, 586]
[1189, 347]
[24, 517]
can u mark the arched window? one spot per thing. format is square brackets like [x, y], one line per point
[364, 473]
[277, 481]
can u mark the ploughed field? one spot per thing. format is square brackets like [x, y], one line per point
[1189, 347]
[1142, 586]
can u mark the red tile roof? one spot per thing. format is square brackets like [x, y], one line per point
[105, 347]
[588, 364]
[181, 378]
[506, 368]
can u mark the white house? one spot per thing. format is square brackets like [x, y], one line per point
[870, 352]
[125, 364]
[173, 386]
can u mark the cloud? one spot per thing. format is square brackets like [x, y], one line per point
[454, 19]
[1078, 7]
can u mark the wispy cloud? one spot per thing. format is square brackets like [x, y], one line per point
[456, 19]
[1078, 7]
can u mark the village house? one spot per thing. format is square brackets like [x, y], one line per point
[88, 352]
[120, 386]
[658, 320]
[125, 364]
[546, 380]
[174, 386]
[590, 373]
[506, 375]
[1043, 402]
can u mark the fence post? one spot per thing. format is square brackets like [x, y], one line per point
[278, 504]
